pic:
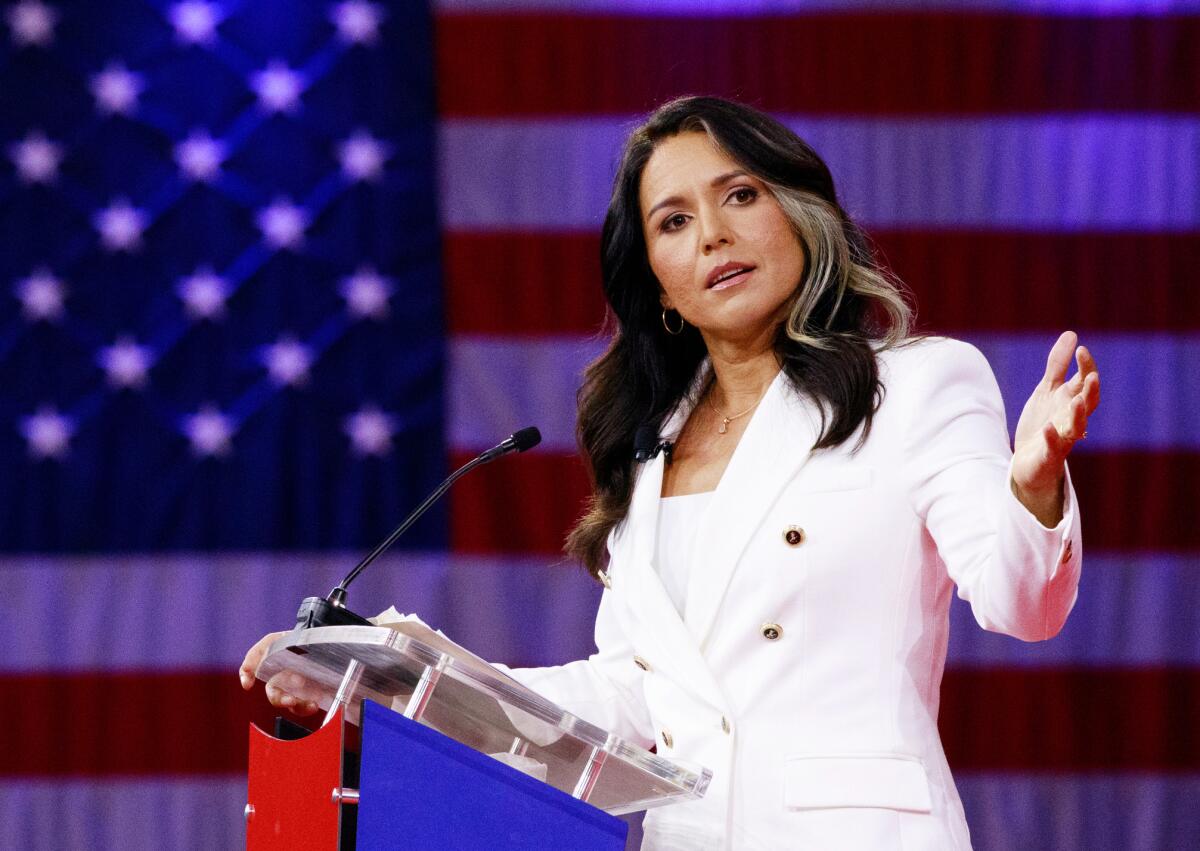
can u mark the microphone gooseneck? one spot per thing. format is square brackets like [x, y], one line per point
[331, 610]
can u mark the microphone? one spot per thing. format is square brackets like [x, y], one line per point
[331, 610]
[518, 441]
[646, 445]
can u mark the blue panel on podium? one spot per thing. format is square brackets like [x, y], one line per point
[423, 790]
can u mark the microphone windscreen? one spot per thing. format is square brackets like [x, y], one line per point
[526, 438]
[643, 442]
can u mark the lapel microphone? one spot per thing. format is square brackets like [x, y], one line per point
[331, 610]
[646, 445]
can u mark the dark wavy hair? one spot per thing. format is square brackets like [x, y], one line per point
[843, 312]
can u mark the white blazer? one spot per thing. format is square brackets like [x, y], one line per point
[824, 736]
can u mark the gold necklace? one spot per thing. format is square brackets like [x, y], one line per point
[725, 421]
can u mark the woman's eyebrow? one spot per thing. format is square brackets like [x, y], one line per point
[717, 181]
[726, 177]
[665, 202]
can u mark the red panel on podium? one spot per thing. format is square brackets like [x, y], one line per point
[290, 790]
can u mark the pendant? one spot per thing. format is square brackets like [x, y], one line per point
[721, 430]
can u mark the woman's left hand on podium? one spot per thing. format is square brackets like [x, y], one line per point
[284, 690]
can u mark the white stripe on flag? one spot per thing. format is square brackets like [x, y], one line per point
[130, 815]
[1053, 173]
[1149, 385]
[106, 613]
[1133, 610]
[497, 384]
[1026, 812]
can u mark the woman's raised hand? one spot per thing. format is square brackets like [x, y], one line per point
[1052, 421]
[284, 690]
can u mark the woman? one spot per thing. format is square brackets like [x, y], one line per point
[778, 582]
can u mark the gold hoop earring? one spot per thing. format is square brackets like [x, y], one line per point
[678, 330]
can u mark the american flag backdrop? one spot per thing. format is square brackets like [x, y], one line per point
[269, 269]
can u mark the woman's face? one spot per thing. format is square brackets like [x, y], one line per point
[718, 242]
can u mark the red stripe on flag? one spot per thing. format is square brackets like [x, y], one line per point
[1138, 500]
[520, 504]
[876, 63]
[137, 723]
[1130, 501]
[195, 723]
[522, 283]
[1006, 282]
[1080, 720]
[526, 283]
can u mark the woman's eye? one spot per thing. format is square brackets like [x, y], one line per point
[674, 222]
[743, 195]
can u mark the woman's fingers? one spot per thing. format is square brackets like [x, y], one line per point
[1091, 392]
[1087, 363]
[1057, 444]
[1059, 409]
[290, 702]
[1085, 382]
[1079, 415]
[286, 690]
[1059, 358]
[289, 690]
[253, 657]
[1071, 424]
[1089, 377]
[286, 700]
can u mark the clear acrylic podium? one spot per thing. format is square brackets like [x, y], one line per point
[523, 757]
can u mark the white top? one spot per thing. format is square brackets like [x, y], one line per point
[678, 522]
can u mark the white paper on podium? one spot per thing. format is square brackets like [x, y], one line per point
[537, 731]
[523, 764]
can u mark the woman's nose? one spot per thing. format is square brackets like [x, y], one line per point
[713, 231]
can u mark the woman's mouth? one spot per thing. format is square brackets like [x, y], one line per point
[724, 278]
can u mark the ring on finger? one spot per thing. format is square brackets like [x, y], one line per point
[1071, 439]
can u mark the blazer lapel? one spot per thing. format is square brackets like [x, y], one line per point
[652, 613]
[776, 444]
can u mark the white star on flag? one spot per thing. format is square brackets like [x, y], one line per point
[203, 294]
[287, 361]
[362, 156]
[120, 226]
[278, 87]
[41, 296]
[48, 433]
[32, 23]
[36, 158]
[370, 431]
[117, 89]
[366, 293]
[199, 157]
[282, 224]
[126, 363]
[195, 21]
[357, 21]
[209, 431]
